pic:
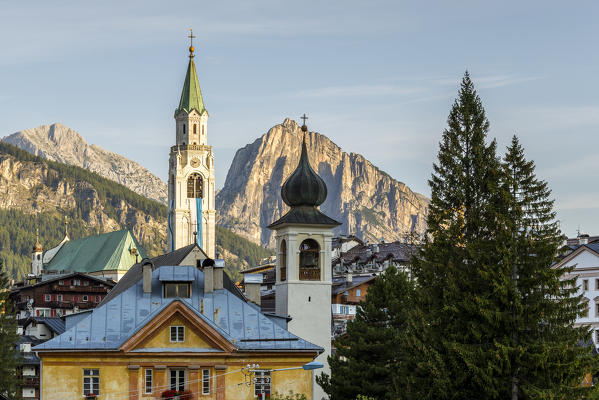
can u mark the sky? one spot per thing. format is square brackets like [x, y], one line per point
[378, 78]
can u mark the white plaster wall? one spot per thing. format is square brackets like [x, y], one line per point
[586, 267]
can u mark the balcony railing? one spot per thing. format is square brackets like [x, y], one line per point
[309, 274]
[88, 289]
[30, 381]
[70, 304]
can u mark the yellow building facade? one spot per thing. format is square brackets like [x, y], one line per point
[200, 343]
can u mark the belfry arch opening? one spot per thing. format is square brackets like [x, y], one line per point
[309, 260]
[283, 261]
[195, 186]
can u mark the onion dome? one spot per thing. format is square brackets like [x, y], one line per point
[304, 187]
[37, 247]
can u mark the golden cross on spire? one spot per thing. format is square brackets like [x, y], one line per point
[191, 37]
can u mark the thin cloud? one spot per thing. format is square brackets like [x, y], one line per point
[359, 90]
[491, 81]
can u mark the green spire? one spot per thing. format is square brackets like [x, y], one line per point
[191, 97]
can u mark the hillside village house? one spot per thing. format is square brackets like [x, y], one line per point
[58, 295]
[584, 256]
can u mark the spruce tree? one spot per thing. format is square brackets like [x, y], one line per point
[548, 355]
[459, 271]
[9, 357]
[366, 357]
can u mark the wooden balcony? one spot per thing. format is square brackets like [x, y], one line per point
[70, 304]
[309, 274]
[80, 288]
[30, 381]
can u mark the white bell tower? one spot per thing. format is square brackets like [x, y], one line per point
[37, 264]
[303, 267]
[191, 216]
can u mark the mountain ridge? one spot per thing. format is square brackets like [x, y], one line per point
[367, 200]
[58, 142]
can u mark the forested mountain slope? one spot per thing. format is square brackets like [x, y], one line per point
[39, 193]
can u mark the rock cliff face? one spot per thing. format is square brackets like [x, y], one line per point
[60, 143]
[32, 187]
[366, 200]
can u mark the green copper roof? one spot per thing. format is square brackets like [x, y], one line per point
[109, 251]
[191, 97]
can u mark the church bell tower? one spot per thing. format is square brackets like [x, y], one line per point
[303, 266]
[191, 216]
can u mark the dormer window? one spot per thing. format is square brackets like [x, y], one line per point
[177, 289]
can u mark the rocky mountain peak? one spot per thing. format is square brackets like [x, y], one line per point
[368, 201]
[58, 142]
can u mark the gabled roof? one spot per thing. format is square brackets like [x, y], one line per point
[592, 248]
[109, 251]
[48, 279]
[362, 254]
[340, 284]
[56, 325]
[240, 323]
[191, 96]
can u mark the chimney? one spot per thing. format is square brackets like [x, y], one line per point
[376, 248]
[146, 268]
[208, 268]
[252, 287]
[219, 270]
[349, 278]
[583, 239]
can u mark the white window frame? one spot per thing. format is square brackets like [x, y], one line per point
[47, 298]
[85, 297]
[85, 283]
[260, 377]
[179, 378]
[179, 333]
[585, 285]
[61, 282]
[91, 376]
[358, 293]
[76, 282]
[59, 297]
[205, 381]
[148, 380]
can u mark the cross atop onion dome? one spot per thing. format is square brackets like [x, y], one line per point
[304, 187]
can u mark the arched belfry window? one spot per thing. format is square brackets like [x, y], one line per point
[195, 126]
[203, 130]
[184, 129]
[195, 186]
[309, 265]
[283, 260]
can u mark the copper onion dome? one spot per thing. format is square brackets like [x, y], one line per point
[304, 187]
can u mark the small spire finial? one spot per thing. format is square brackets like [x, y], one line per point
[191, 37]
[66, 226]
[304, 127]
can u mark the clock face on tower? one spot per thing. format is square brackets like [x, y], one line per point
[195, 162]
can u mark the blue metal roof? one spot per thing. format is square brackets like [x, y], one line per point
[240, 322]
[176, 274]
